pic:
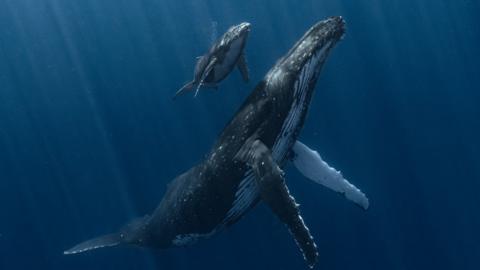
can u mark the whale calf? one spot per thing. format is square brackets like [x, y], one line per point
[223, 56]
[245, 164]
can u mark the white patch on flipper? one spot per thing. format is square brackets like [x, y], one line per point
[311, 165]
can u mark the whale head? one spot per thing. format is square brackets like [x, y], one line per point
[239, 31]
[294, 76]
[233, 41]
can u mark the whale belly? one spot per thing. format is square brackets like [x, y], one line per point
[222, 69]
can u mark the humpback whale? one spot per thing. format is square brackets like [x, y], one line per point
[220, 60]
[244, 166]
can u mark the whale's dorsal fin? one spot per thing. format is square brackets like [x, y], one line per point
[311, 165]
[274, 192]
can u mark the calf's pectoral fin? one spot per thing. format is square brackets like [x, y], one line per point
[311, 165]
[205, 74]
[274, 192]
[243, 67]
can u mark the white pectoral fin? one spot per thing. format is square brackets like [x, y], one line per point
[311, 165]
[205, 73]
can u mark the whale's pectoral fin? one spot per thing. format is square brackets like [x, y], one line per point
[108, 240]
[243, 67]
[205, 74]
[274, 192]
[311, 165]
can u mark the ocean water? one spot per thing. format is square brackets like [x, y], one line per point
[89, 135]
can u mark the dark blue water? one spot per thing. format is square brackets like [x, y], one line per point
[89, 136]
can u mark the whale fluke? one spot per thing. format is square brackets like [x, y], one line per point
[108, 240]
[186, 87]
[130, 234]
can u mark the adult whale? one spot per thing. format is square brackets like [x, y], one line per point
[244, 165]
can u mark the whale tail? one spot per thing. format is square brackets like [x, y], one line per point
[108, 240]
[132, 233]
[185, 88]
